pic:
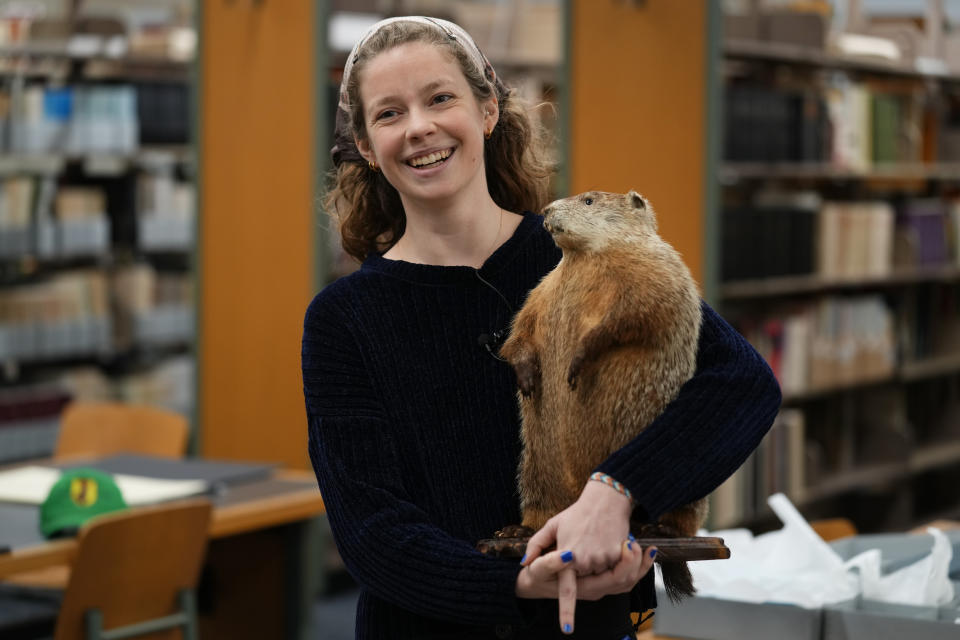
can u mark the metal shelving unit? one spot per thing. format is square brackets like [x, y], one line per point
[123, 345]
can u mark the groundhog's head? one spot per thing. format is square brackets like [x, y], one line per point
[595, 220]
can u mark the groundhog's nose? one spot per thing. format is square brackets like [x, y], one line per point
[547, 210]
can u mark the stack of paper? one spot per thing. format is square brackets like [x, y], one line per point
[31, 484]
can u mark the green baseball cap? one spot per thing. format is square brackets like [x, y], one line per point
[77, 496]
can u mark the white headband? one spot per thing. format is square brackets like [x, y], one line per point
[453, 31]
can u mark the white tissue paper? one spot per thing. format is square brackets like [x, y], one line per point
[795, 566]
[924, 583]
[792, 565]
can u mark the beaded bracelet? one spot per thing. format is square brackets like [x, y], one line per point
[610, 482]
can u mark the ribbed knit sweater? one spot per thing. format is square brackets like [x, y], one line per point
[414, 435]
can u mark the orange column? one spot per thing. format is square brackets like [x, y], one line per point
[256, 235]
[638, 93]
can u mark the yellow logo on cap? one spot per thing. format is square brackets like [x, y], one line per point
[83, 491]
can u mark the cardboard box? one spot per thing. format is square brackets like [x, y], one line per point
[794, 27]
[951, 51]
[716, 619]
[869, 620]
[741, 26]
[897, 549]
[510, 35]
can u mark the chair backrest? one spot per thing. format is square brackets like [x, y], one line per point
[131, 566]
[834, 528]
[108, 428]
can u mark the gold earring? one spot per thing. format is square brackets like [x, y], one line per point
[373, 166]
[487, 134]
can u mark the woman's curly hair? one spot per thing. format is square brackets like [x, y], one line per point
[367, 207]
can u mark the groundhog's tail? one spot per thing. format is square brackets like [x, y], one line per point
[677, 580]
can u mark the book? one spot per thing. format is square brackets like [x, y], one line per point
[923, 224]
[885, 112]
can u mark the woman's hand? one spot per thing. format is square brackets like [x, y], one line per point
[553, 576]
[538, 579]
[595, 529]
[634, 564]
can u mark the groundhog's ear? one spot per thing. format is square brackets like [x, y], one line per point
[637, 200]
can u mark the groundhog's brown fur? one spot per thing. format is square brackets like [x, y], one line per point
[600, 347]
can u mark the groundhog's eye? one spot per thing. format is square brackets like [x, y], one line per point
[588, 201]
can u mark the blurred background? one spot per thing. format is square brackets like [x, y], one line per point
[162, 163]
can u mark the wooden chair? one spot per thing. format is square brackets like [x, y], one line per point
[834, 528]
[98, 429]
[135, 574]
[108, 428]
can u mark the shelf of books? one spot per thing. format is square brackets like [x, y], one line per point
[97, 213]
[783, 286]
[839, 257]
[802, 53]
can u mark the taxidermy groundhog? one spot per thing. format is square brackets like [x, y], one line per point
[600, 347]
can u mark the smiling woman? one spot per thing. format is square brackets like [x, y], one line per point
[425, 129]
[414, 429]
[425, 85]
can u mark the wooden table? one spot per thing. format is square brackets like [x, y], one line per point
[236, 515]
[259, 571]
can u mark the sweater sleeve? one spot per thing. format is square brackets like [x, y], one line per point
[718, 418]
[387, 542]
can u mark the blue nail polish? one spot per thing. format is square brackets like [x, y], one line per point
[523, 559]
[653, 553]
[626, 638]
[567, 628]
[630, 546]
[631, 538]
[566, 556]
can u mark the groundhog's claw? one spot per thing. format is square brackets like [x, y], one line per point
[527, 387]
[527, 375]
[514, 531]
[574, 372]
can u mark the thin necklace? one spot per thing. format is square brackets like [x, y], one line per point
[496, 237]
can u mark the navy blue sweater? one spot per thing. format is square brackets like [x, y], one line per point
[414, 434]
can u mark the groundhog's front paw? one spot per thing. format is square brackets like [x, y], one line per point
[528, 377]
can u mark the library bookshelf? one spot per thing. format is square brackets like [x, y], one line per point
[837, 256]
[97, 228]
